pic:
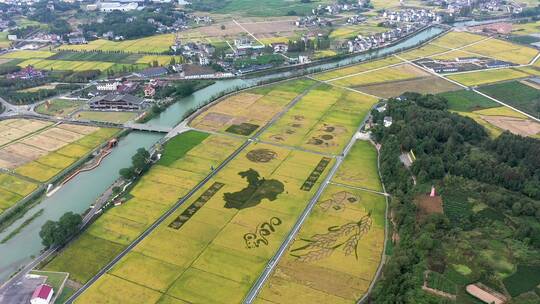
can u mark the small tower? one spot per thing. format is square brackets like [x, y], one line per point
[432, 193]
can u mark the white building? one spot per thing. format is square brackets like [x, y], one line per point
[303, 59]
[108, 86]
[42, 295]
[108, 7]
[203, 60]
[387, 122]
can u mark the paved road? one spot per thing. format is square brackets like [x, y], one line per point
[185, 198]
[21, 292]
[255, 289]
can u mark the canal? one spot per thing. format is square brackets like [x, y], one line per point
[81, 192]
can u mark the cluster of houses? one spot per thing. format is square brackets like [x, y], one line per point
[509, 7]
[312, 21]
[336, 8]
[364, 43]
[412, 15]
[194, 51]
[461, 64]
[26, 73]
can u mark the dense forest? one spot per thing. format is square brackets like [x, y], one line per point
[489, 230]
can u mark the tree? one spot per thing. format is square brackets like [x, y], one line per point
[127, 173]
[222, 27]
[58, 233]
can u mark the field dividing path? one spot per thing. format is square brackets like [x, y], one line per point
[256, 288]
[186, 197]
[245, 30]
[472, 89]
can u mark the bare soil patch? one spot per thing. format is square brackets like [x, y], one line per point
[44, 142]
[62, 134]
[78, 128]
[428, 205]
[25, 151]
[523, 127]
[12, 160]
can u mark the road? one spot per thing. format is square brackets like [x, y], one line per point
[255, 289]
[185, 198]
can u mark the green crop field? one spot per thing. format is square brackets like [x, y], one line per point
[112, 116]
[526, 278]
[438, 281]
[516, 94]
[263, 9]
[467, 101]
[96, 56]
[59, 107]
[177, 147]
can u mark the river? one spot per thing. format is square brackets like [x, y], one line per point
[83, 190]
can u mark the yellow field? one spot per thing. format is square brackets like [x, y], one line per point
[255, 107]
[424, 51]
[37, 171]
[351, 31]
[357, 68]
[27, 54]
[116, 117]
[452, 55]
[400, 72]
[12, 189]
[501, 111]
[208, 251]
[63, 65]
[457, 39]
[492, 130]
[338, 249]
[153, 44]
[324, 53]
[487, 76]
[503, 50]
[323, 120]
[526, 28]
[161, 60]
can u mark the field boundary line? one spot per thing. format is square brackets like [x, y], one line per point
[268, 270]
[436, 74]
[360, 188]
[478, 92]
[534, 59]
[243, 28]
[345, 88]
[383, 252]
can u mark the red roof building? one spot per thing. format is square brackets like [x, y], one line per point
[42, 295]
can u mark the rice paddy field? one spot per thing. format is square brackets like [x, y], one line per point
[359, 169]
[152, 44]
[387, 74]
[245, 112]
[487, 76]
[187, 159]
[457, 39]
[223, 237]
[64, 65]
[503, 50]
[35, 151]
[27, 54]
[323, 120]
[13, 189]
[337, 251]
[423, 51]
[355, 69]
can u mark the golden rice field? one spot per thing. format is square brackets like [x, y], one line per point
[214, 241]
[153, 194]
[27, 54]
[36, 151]
[254, 107]
[457, 39]
[323, 120]
[351, 222]
[395, 73]
[487, 76]
[503, 50]
[359, 68]
[64, 65]
[153, 44]
[427, 50]
[526, 28]
[366, 175]
[13, 189]
[161, 59]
